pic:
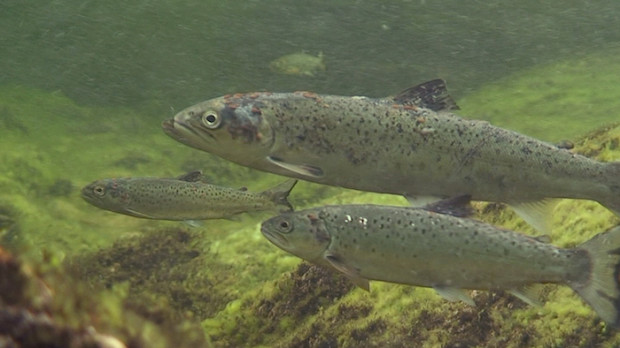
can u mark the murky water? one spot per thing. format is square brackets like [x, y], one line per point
[84, 86]
[180, 51]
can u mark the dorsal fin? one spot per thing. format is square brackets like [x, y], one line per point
[430, 95]
[456, 206]
[193, 176]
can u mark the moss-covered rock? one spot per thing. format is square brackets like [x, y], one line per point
[43, 306]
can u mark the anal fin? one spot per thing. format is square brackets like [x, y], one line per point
[529, 294]
[537, 214]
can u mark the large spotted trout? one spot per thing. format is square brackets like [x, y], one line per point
[411, 144]
[425, 247]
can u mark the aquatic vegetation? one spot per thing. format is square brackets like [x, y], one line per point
[301, 64]
[61, 187]
[553, 102]
[169, 271]
[43, 305]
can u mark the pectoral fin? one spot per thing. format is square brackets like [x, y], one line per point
[350, 272]
[139, 214]
[302, 169]
[454, 294]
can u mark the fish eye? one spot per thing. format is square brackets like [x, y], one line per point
[211, 120]
[99, 191]
[285, 226]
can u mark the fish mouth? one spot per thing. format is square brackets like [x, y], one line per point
[274, 238]
[185, 133]
[87, 194]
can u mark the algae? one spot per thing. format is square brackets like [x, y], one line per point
[43, 306]
[170, 266]
[555, 102]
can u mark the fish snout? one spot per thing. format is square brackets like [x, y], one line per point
[274, 237]
[168, 125]
[92, 192]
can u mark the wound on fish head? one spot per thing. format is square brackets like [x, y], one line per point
[223, 126]
[302, 234]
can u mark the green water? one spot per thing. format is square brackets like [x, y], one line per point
[85, 85]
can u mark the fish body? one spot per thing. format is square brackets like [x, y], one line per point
[420, 247]
[181, 198]
[411, 144]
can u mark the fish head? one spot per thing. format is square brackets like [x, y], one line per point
[108, 194]
[301, 233]
[232, 127]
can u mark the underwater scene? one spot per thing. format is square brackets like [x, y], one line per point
[278, 173]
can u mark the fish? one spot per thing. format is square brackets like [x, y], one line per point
[411, 144]
[185, 198]
[301, 64]
[421, 247]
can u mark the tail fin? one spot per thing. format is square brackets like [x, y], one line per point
[613, 202]
[279, 195]
[601, 289]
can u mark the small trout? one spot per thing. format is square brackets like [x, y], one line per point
[411, 144]
[185, 198]
[421, 247]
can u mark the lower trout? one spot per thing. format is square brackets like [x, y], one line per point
[424, 248]
[183, 198]
[411, 144]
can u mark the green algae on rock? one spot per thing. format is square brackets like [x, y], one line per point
[170, 266]
[555, 101]
[43, 305]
